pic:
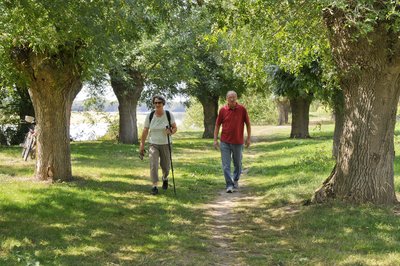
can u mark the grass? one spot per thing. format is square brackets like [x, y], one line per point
[106, 216]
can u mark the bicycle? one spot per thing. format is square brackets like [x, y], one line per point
[29, 144]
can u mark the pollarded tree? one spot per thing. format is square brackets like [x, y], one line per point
[283, 106]
[53, 46]
[127, 85]
[300, 90]
[213, 79]
[209, 74]
[156, 62]
[364, 42]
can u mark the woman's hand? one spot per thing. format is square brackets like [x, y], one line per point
[170, 130]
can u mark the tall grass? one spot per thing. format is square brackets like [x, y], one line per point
[107, 216]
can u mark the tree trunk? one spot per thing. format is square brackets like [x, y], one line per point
[283, 105]
[210, 111]
[369, 70]
[300, 117]
[128, 93]
[286, 112]
[338, 114]
[54, 82]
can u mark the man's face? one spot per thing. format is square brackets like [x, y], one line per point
[231, 99]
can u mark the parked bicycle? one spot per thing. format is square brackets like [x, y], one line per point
[29, 145]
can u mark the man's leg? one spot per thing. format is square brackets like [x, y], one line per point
[226, 163]
[237, 154]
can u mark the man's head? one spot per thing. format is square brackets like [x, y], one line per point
[231, 98]
[158, 99]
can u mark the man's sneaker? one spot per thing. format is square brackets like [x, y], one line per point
[229, 190]
[236, 184]
[154, 191]
[165, 184]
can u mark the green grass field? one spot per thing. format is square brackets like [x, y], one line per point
[106, 216]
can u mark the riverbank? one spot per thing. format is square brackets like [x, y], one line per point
[93, 125]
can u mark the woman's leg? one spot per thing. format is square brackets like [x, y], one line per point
[154, 156]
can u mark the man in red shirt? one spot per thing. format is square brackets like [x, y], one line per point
[232, 117]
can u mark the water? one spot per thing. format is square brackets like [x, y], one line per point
[85, 131]
[81, 130]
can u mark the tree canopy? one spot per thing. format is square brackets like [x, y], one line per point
[90, 28]
[358, 42]
[53, 46]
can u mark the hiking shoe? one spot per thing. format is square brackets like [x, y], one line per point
[154, 191]
[236, 184]
[229, 190]
[165, 184]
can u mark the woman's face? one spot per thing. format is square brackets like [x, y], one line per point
[158, 103]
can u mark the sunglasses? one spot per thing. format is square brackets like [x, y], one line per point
[158, 102]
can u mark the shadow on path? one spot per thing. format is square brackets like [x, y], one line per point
[222, 221]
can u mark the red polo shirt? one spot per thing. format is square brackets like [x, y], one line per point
[232, 121]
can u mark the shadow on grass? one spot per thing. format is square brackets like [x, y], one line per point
[315, 136]
[87, 222]
[291, 234]
[108, 219]
[188, 135]
[114, 220]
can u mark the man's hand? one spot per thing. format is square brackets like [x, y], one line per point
[216, 144]
[248, 142]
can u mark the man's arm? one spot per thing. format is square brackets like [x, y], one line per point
[216, 132]
[248, 128]
[248, 139]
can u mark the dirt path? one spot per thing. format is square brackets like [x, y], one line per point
[223, 217]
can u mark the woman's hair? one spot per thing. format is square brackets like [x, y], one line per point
[159, 97]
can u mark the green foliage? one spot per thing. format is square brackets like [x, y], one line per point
[261, 108]
[195, 58]
[95, 102]
[14, 105]
[194, 116]
[365, 15]
[156, 59]
[112, 130]
[305, 84]
[290, 35]
[91, 30]
[8, 116]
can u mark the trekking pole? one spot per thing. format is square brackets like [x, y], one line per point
[172, 166]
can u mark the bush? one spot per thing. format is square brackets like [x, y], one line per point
[113, 127]
[262, 110]
[194, 115]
